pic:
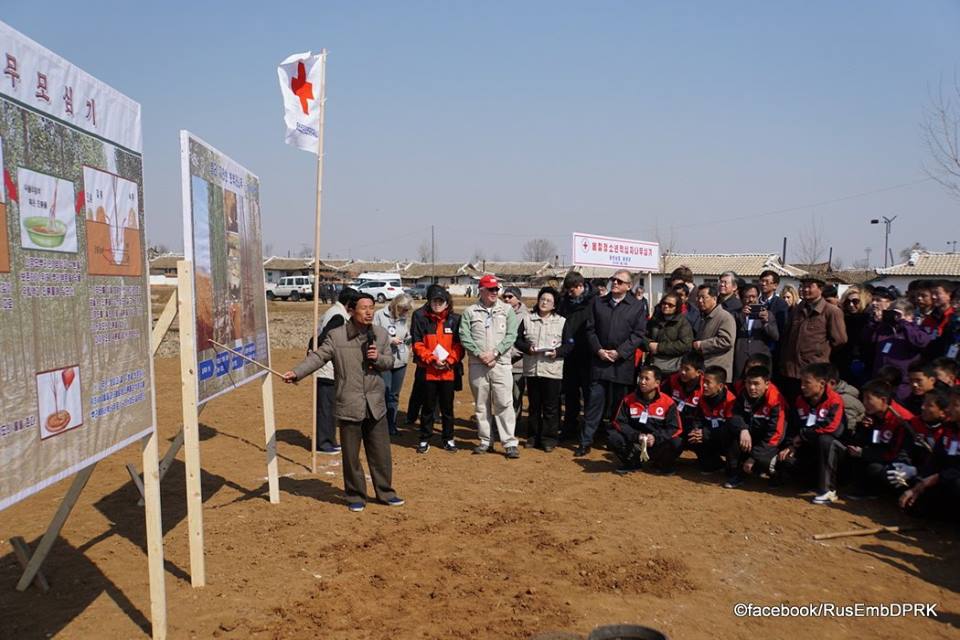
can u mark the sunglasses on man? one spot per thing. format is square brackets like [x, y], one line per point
[619, 281]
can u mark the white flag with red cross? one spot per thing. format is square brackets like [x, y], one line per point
[301, 84]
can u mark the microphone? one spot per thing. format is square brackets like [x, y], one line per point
[371, 341]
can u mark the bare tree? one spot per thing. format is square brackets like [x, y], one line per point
[812, 245]
[156, 250]
[905, 253]
[479, 255]
[668, 242]
[424, 253]
[837, 264]
[539, 250]
[268, 249]
[305, 251]
[941, 133]
[861, 264]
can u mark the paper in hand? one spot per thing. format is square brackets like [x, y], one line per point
[440, 353]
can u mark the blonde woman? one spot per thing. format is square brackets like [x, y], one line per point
[849, 358]
[394, 318]
[790, 295]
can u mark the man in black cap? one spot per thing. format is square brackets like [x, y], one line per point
[814, 329]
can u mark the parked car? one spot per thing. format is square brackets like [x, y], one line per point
[417, 291]
[291, 288]
[381, 290]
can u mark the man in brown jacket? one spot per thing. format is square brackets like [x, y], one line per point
[359, 352]
[814, 328]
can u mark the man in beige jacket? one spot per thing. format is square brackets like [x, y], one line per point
[718, 333]
[359, 352]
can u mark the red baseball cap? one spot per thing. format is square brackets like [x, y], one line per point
[489, 282]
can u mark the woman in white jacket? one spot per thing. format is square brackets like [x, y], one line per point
[395, 319]
[543, 340]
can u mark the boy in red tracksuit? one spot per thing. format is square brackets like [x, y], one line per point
[686, 387]
[880, 442]
[715, 409]
[816, 423]
[937, 493]
[437, 348]
[756, 430]
[652, 416]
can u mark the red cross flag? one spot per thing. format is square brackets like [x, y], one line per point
[301, 84]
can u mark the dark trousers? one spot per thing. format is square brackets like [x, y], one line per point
[710, 451]
[576, 389]
[663, 454]
[376, 444]
[940, 501]
[761, 453]
[603, 400]
[415, 403]
[519, 385]
[867, 476]
[393, 381]
[437, 392]
[543, 414]
[817, 456]
[326, 422]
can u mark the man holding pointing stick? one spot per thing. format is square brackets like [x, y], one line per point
[359, 352]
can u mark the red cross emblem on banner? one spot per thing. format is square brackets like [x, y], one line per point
[301, 88]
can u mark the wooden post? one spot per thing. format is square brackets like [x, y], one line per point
[151, 486]
[270, 435]
[316, 254]
[163, 324]
[22, 551]
[56, 525]
[191, 421]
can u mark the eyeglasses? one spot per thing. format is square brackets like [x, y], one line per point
[493, 289]
[854, 301]
[508, 296]
[667, 304]
[619, 281]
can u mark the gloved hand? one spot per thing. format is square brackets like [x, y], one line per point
[900, 475]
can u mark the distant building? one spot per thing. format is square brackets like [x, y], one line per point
[922, 265]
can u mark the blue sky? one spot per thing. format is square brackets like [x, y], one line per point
[499, 122]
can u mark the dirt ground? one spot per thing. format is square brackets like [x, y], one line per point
[484, 548]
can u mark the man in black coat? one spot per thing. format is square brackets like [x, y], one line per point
[575, 307]
[615, 328]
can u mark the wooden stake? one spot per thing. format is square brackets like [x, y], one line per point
[316, 252]
[191, 422]
[163, 324]
[22, 551]
[862, 532]
[270, 435]
[56, 525]
[151, 486]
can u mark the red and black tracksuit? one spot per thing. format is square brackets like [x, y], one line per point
[815, 426]
[637, 417]
[712, 416]
[428, 330]
[885, 440]
[941, 499]
[765, 418]
[686, 395]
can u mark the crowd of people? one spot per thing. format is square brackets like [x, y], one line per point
[855, 393]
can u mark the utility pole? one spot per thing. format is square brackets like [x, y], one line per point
[433, 255]
[886, 237]
[952, 243]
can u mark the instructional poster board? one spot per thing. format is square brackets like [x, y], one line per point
[76, 374]
[221, 235]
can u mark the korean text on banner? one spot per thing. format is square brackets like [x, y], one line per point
[75, 363]
[301, 80]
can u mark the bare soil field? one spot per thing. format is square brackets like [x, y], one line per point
[485, 547]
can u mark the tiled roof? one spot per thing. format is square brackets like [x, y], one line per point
[166, 261]
[511, 269]
[380, 267]
[279, 263]
[926, 263]
[744, 264]
[442, 269]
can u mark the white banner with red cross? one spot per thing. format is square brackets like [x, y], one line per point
[301, 85]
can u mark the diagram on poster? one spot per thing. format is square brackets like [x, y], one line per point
[222, 237]
[47, 215]
[113, 240]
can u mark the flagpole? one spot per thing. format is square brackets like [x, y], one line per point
[316, 250]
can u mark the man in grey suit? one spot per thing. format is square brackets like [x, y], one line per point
[359, 352]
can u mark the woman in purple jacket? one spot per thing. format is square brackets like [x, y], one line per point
[896, 340]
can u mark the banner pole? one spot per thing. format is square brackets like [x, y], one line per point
[316, 252]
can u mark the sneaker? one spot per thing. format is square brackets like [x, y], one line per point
[395, 501]
[423, 447]
[581, 451]
[329, 450]
[825, 498]
[450, 446]
[477, 450]
[356, 507]
[733, 483]
[625, 470]
[512, 453]
[530, 443]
